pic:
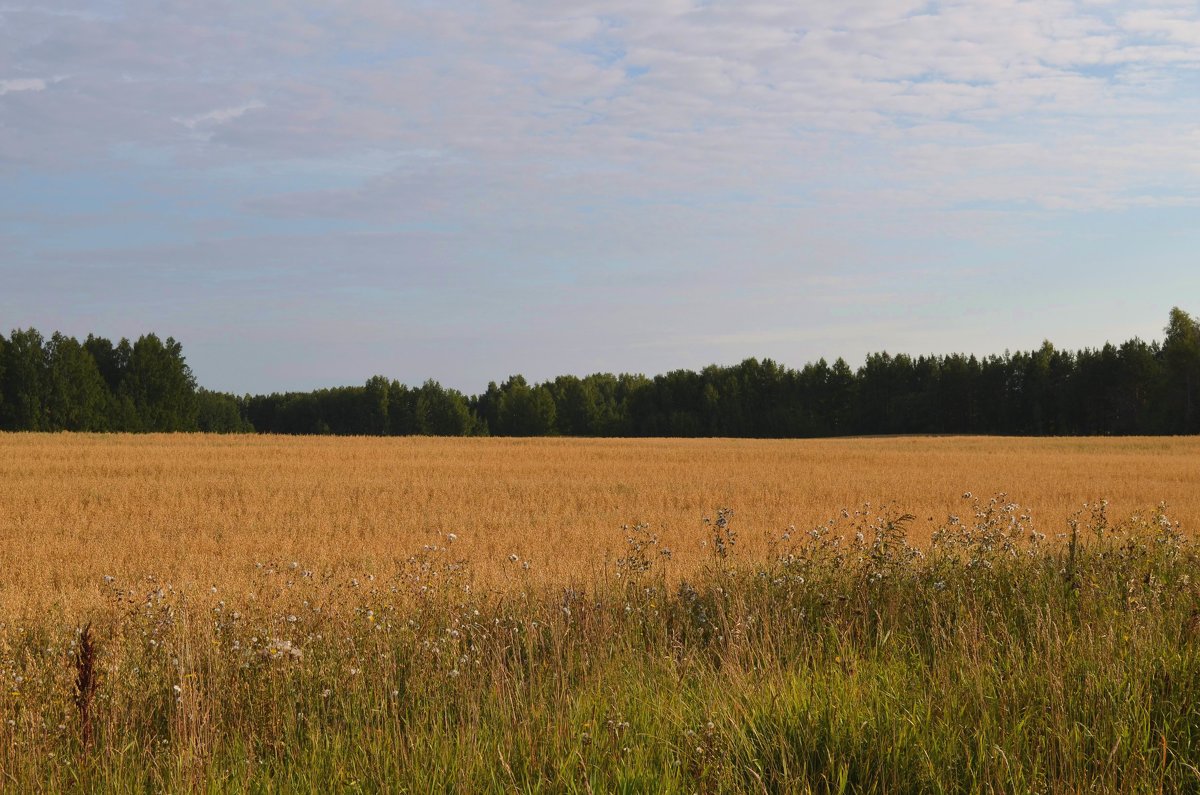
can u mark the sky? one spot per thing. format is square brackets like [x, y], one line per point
[306, 194]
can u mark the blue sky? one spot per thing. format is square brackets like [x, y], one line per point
[307, 194]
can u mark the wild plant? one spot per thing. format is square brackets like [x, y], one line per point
[847, 657]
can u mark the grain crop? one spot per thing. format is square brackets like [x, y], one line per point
[197, 509]
[191, 613]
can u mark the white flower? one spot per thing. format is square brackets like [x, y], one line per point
[279, 649]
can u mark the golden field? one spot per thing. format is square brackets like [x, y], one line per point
[280, 614]
[201, 511]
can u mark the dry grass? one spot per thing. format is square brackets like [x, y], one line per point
[201, 511]
[189, 613]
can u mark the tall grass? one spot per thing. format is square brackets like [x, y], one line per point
[843, 660]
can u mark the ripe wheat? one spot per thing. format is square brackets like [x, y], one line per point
[200, 511]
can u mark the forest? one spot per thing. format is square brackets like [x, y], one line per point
[1137, 387]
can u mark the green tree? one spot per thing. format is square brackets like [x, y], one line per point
[710, 409]
[612, 402]
[575, 405]
[841, 398]
[1136, 388]
[25, 382]
[1181, 350]
[159, 386]
[958, 381]
[487, 407]
[525, 410]
[77, 397]
[402, 409]
[376, 400]
[110, 361]
[218, 412]
[3, 353]
[113, 363]
[442, 412]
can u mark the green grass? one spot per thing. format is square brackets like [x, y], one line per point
[991, 661]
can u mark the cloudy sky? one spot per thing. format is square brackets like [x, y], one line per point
[309, 193]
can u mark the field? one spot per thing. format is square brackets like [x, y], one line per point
[579, 615]
[202, 510]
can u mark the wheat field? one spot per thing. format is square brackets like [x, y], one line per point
[251, 614]
[201, 511]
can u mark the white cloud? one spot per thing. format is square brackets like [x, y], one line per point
[550, 101]
[220, 115]
[22, 84]
[1178, 26]
[565, 140]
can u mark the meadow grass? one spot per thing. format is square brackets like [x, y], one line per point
[838, 659]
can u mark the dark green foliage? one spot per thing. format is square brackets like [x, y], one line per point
[1134, 388]
[402, 409]
[523, 410]
[342, 410]
[3, 410]
[1181, 351]
[378, 408]
[77, 398]
[218, 412]
[158, 385]
[577, 405]
[63, 385]
[25, 375]
[443, 412]
[376, 405]
[110, 361]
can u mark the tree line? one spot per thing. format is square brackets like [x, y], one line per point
[1134, 388]
[61, 384]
